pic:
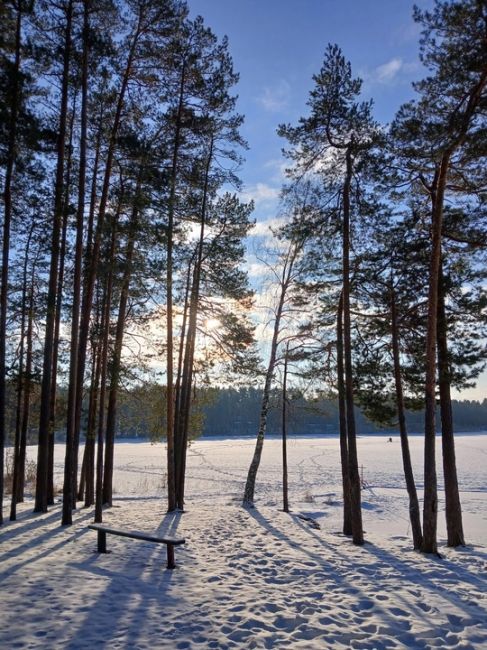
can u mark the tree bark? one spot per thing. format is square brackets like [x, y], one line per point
[82, 477]
[453, 507]
[75, 389]
[7, 198]
[171, 461]
[57, 322]
[179, 376]
[104, 341]
[41, 497]
[414, 512]
[117, 355]
[27, 390]
[20, 386]
[347, 506]
[91, 434]
[78, 258]
[285, 490]
[430, 505]
[355, 500]
[182, 416]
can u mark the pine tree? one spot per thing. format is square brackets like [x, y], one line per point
[17, 125]
[41, 499]
[338, 135]
[436, 136]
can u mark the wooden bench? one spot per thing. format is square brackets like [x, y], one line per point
[170, 542]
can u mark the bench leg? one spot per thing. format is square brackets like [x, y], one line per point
[170, 557]
[102, 541]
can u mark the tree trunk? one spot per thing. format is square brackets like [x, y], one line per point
[88, 454]
[181, 428]
[76, 375]
[78, 258]
[414, 512]
[93, 191]
[347, 506]
[41, 497]
[248, 499]
[57, 324]
[7, 198]
[101, 478]
[82, 477]
[179, 376]
[27, 392]
[453, 507]
[91, 434]
[430, 506]
[187, 379]
[285, 491]
[20, 387]
[91, 272]
[117, 355]
[171, 466]
[355, 500]
[471, 102]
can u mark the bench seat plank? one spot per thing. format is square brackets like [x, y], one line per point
[175, 541]
[170, 542]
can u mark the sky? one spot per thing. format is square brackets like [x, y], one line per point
[277, 46]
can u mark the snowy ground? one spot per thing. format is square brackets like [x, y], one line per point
[255, 578]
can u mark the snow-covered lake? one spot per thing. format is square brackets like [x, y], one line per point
[217, 468]
[255, 578]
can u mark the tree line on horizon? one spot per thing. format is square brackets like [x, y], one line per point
[235, 412]
[231, 412]
[124, 237]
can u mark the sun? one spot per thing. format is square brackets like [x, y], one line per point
[212, 324]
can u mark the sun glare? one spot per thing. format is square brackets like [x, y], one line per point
[212, 324]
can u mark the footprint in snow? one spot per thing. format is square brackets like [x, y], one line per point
[363, 604]
[271, 607]
[425, 607]
[457, 622]
[396, 611]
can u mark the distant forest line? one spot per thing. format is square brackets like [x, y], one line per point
[235, 412]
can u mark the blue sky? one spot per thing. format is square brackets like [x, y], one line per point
[277, 46]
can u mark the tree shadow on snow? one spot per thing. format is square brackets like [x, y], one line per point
[359, 575]
[45, 543]
[136, 586]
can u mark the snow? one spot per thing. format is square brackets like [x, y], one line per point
[256, 578]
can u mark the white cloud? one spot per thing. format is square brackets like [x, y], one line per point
[406, 33]
[386, 72]
[256, 270]
[389, 73]
[275, 98]
[260, 193]
[263, 228]
[278, 166]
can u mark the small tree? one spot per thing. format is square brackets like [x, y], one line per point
[284, 272]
